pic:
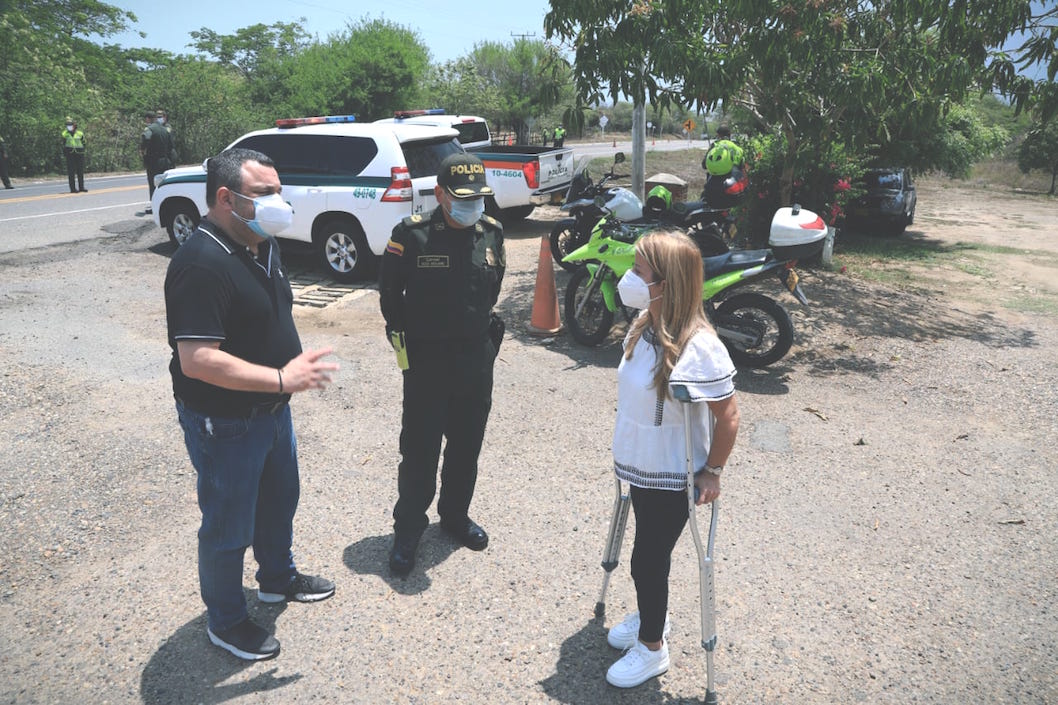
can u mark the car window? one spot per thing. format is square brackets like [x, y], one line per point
[882, 179]
[314, 154]
[424, 157]
[472, 132]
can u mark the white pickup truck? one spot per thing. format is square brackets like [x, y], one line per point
[523, 176]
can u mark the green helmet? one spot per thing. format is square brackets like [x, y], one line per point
[719, 161]
[659, 199]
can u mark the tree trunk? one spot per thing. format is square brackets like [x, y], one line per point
[639, 148]
[1054, 176]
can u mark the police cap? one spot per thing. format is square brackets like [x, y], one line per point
[462, 175]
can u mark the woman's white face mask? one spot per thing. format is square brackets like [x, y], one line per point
[272, 215]
[634, 291]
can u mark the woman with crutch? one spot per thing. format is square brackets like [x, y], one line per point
[670, 342]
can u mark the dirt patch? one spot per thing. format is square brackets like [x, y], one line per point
[888, 530]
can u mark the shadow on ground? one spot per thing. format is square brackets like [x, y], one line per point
[188, 670]
[370, 556]
[580, 674]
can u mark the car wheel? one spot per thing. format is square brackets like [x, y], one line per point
[183, 222]
[511, 215]
[344, 251]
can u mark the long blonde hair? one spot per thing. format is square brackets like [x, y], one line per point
[674, 258]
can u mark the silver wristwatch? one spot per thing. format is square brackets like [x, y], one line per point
[714, 470]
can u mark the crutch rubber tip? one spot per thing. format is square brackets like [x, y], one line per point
[600, 610]
[710, 698]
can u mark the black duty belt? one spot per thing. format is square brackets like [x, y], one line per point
[242, 412]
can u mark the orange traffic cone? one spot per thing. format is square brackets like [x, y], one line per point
[545, 319]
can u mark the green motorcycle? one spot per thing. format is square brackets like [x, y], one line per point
[756, 329]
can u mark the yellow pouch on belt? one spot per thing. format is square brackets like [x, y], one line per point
[396, 339]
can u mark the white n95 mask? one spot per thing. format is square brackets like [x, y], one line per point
[272, 215]
[634, 291]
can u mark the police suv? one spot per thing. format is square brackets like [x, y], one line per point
[349, 183]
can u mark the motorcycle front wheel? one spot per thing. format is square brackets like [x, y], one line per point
[756, 329]
[588, 319]
[565, 239]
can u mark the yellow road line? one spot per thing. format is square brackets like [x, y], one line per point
[50, 196]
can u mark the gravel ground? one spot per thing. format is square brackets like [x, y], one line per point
[889, 528]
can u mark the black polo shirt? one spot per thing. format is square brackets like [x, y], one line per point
[216, 289]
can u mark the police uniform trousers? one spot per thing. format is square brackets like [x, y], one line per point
[447, 394]
[75, 169]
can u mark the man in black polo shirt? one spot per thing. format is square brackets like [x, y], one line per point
[236, 360]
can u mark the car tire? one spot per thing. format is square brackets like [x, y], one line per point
[343, 249]
[181, 218]
[511, 215]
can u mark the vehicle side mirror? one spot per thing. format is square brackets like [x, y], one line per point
[619, 158]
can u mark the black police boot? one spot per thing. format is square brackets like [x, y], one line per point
[467, 533]
[402, 554]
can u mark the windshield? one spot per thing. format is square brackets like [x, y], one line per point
[882, 179]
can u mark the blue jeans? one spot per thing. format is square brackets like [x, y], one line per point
[248, 492]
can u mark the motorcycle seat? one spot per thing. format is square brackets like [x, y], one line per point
[734, 261]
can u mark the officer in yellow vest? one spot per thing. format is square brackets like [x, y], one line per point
[73, 146]
[560, 136]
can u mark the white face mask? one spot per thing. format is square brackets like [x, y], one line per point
[69, 128]
[466, 212]
[272, 215]
[634, 291]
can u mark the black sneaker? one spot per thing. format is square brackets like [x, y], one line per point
[246, 640]
[303, 588]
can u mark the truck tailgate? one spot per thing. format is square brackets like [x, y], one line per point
[556, 169]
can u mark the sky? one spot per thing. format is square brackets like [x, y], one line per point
[447, 34]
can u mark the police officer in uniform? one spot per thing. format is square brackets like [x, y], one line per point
[439, 279]
[560, 136]
[4, 156]
[73, 148]
[156, 146]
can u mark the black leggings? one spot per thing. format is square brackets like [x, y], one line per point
[660, 518]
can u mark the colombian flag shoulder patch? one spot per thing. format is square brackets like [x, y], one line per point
[395, 248]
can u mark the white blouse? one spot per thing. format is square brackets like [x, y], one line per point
[648, 446]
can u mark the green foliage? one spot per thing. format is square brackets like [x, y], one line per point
[369, 70]
[824, 184]
[1039, 150]
[457, 86]
[871, 78]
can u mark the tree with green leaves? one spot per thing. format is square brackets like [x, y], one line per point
[44, 74]
[817, 73]
[1039, 150]
[527, 78]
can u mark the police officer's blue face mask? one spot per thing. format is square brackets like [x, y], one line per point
[272, 215]
[466, 212]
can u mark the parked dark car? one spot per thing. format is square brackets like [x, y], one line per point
[888, 206]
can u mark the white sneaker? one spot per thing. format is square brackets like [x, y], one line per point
[638, 665]
[626, 634]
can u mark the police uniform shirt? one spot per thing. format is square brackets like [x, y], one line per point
[217, 290]
[438, 283]
[156, 142]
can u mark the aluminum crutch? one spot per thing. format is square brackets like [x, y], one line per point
[612, 554]
[705, 558]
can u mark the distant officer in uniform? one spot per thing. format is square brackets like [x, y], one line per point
[4, 156]
[156, 145]
[162, 118]
[560, 136]
[440, 277]
[73, 148]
